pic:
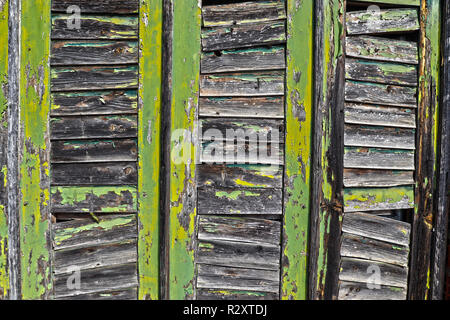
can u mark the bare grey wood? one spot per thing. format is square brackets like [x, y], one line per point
[126, 294]
[377, 178]
[365, 114]
[360, 291]
[215, 294]
[98, 6]
[372, 158]
[379, 137]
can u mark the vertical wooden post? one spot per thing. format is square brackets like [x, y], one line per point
[299, 110]
[327, 204]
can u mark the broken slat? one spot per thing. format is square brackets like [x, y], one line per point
[355, 246]
[98, 6]
[379, 137]
[243, 13]
[239, 201]
[239, 229]
[360, 291]
[363, 271]
[94, 78]
[377, 227]
[219, 277]
[248, 35]
[242, 84]
[95, 28]
[372, 158]
[382, 21]
[373, 93]
[93, 103]
[239, 254]
[251, 59]
[367, 199]
[91, 127]
[126, 294]
[222, 294]
[382, 49]
[64, 151]
[377, 178]
[104, 173]
[66, 53]
[94, 199]
[380, 72]
[365, 114]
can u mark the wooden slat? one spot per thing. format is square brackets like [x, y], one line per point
[93, 199]
[243, 60]
[382, 49]
[379, 137]
[242, 84]
[222, 294]
[377, 178]
[368, 199]
[391, 2]
[366, 114]
[66, 53]
[87, 174]
[94, 78]
[63, 151]
[242, 13]
[373, 93]
[98, 6]
[88, 127]
[98, 280]
[239, 254]
[357, 270]
[240, 201]
[94, 103]
[100, 256]
[126, 294]
[239, 229]
[359, 291]
[380, 72]
[382, 21]
[218, 277]
[238, 176]
[372, 158]
[95, 27]
[255, 107]
[376, 227]
[354, 246]
[248, 35]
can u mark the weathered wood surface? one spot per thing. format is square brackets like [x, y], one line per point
[100, 256]
[87, 174]
[360, 291]
[94, 103]
[89, 127]
[239, 229]
[368, 199]
[365, 114]
[379, 137]
[382, 49]
[66, 53]
[382, 21]
[354, 246]
[391, 2]
[239, 254]
[377, 178]
[251, 59]
[98, 280]
[380, 72]
[98, 6]
[374, 93]
[69, 151]
[377, 227]
[243, 13]
[239, 201]
[219, 277]
[79, 234]
[247, 35]
[222, 294]
[254, 107]
[126, 294]
[94, 78]
[95, 27]
[93, 199]
[242, 84]
[372, 158]
[360, 270]
[238, 176]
